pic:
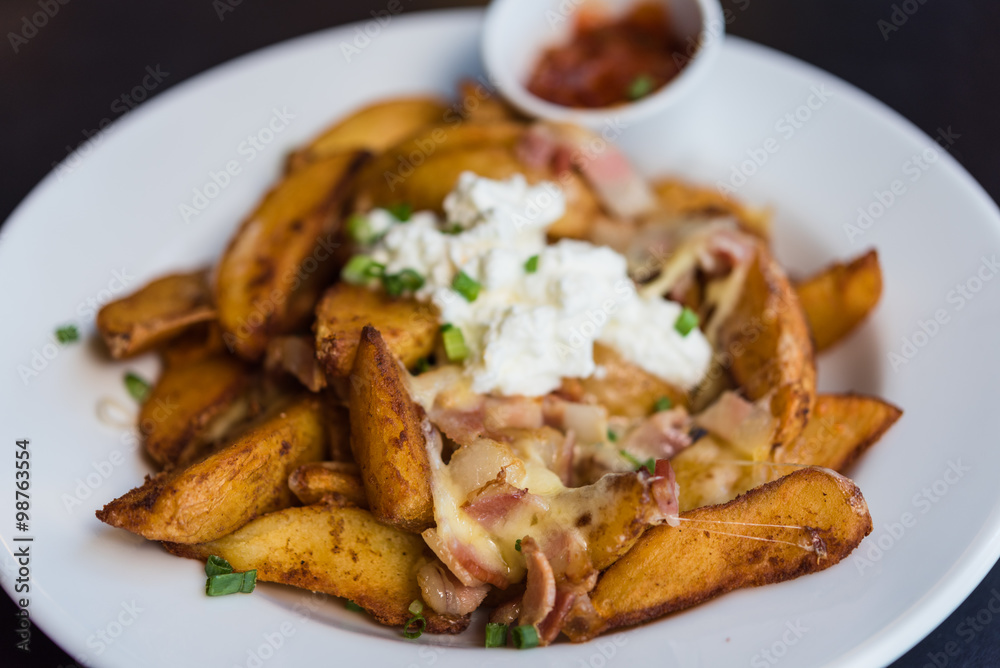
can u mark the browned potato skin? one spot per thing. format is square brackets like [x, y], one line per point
[222, 492]
[408, 327]
[673, 568]
[841, 428]
[283, 254]
[156, 313]
[296, 356]
[373, 128]
[177, 417]
[335, 550]
[624, 389]
[311, 483]
[768, 339]
[388, 440]
[838, 298]
[687, 200]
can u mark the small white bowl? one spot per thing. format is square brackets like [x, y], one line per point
[516, 32]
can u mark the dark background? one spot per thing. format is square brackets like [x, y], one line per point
[940, 68]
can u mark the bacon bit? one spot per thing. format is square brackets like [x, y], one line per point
[491, 503]
[661, 435]
[296, 355]
[507, 613]
[461, 561]
[725, 417]
[666, 492]
[540, 590]
[549, 628]
[462, 427]
[445, 594]
[512, 413]
[589, 422]
[537, 147]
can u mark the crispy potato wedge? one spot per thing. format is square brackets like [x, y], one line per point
[311, 483]
[683, 566]
[839, 297]
[197, 343]
[680, 199]
[388, 438]
[156, 313]
[768, 340]
[283, 254]
[840, 428]
[225, 490]
[373, 128]
[408, 327]
[192, 406]
[338, 426]
[339, 551]
[478, 104]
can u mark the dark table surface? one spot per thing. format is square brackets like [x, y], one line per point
[940, 68]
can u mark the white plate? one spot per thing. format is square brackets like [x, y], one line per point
[116, 213]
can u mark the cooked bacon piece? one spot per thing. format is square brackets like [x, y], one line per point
[296, 355]
[491, 504]
[445, 594]
[462, 560]
[660, 436]
[666, 492]
[507, 613]
[511, 413]
[726, 416]
[540, 592]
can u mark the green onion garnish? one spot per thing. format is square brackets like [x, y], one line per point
[422, 366]
[454, 228]
[407, 280]
[612, 436]
[360, 229]
[649, 464]
[360, 268]
[663, 404]
[419, 623]
[217, 566]
[67, 334]
[454, 343]
[401, 211]
[137, 387]
[641, 86]
[686, 321]
[416, 607]
[524, 636]
[517, 544]
[531, 265]
[353, 607]
[466, 286]
[496, 635]
[231, 583]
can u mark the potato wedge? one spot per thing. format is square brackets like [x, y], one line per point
[339, 551]
[839, 297]
[478, 104]
[767, 339]
[373, 128]
[840, 428]
[271, 275]
[222, 492]
[683, 566]
[388, 438]
[156, 313]
[408, 327]
[192, 406]
[311, 483]
[678, 198]
[197, 343]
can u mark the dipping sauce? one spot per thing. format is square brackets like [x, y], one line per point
[609, 60]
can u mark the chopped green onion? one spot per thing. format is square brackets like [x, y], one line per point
[531, 265]
[401, 211]
[524, 636]
[686, 321]
[231, 583]
[217, 566]
[466, 286]
[416, 607]
[612, 436]
[496, 635]
[454, 228]
[517, 544]
[137, 387]
[407, 280]
[361, 268]
[360, 229]
[419, 623]
[454, 343]
[649, 464]
[663, 404]
[353, 607]
[641, 86]
[422, 366]
[67, 334]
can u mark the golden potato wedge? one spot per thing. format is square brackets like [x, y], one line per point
[339, 551]
[222, 492]
[192, 406]
[311, 483]
[156, 313]
[839, 297]
[681, 199]
[373, 128]
[840, 428]
[197, 343]
[408, 327]
[338, 425]
[388, 438]
[767, 339]
[673, 568]
[285, 252]
[296, 356]
[478, 104]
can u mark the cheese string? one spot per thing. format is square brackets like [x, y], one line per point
[810, 547]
